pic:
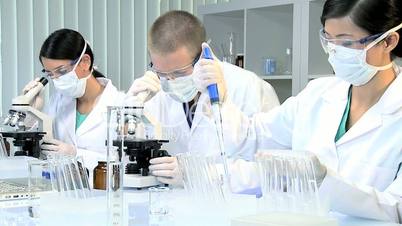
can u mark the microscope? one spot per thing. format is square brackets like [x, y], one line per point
[26, 138]
[136, 145]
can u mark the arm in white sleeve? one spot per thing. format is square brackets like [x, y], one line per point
[270, 130]
[361, 200]
[262, 97]
[268, 97]
[244, 177]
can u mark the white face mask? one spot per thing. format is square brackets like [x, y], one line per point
[180, 89]
[351, 64]
[69, 84]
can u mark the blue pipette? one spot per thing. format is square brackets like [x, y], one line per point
[213, 88]
[214, 98]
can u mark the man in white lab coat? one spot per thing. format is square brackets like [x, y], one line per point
[352, 122]
[170, 95]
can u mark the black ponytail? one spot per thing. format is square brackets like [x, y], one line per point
[97, 74]
[398, 49]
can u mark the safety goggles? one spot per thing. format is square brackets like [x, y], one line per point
[364, 43]
[64, 69]
[60, 71]
[327, 43]
[181, 72]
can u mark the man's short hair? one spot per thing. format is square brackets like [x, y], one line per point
[176, 29]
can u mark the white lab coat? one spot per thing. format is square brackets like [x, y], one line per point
[362, 165]
[246, 90]
[90, 137]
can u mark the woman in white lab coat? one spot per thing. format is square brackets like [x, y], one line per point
[352, 122]
[78, 104]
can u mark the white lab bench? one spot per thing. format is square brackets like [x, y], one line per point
[182, 213]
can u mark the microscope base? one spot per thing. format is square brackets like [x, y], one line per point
[27, 141]
[138, 181]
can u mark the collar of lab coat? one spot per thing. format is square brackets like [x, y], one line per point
[390, 102]
[202, 112]
[98, 113]
[337, 93]
[201, 109]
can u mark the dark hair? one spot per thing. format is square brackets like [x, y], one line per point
[175, 29]
[374, 16]
[66, 44]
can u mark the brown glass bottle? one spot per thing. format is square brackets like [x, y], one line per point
[240, 60]
[100, 175]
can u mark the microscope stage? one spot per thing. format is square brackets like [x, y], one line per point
[138, 181]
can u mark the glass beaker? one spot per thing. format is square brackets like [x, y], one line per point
[269, 66]
[158, 200]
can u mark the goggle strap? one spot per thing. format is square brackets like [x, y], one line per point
[82, 54]
[384, 36]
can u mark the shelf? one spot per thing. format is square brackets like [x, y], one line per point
[232, 14]
[265, 30]
[319, 76]
[269, 34]
[276, 77]
[282, 86]
[219, 26]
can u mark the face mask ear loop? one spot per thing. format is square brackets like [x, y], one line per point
[386, 67]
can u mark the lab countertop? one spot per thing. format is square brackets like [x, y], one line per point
[182, 212]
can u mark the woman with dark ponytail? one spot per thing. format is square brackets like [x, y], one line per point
[80, 97]
[350, 122]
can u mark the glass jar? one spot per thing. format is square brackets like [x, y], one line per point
[100, 175]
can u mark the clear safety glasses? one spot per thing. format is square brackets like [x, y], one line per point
[328, 44]
[181, 72]
[60, 71]
[64, 69]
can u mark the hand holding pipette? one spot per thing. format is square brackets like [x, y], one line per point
[209, 71]
[210, 76]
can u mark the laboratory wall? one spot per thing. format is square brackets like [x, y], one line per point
[116, 30]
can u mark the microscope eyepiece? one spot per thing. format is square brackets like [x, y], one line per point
[44, 81]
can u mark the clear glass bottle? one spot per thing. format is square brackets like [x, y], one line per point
[231, 57]
[288, 62]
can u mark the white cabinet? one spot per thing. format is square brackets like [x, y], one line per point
[269, 29]
[220, 25]
[317, 60]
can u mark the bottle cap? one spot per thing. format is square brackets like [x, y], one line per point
[101, 159]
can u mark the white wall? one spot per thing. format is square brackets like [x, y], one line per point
[116, 30]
